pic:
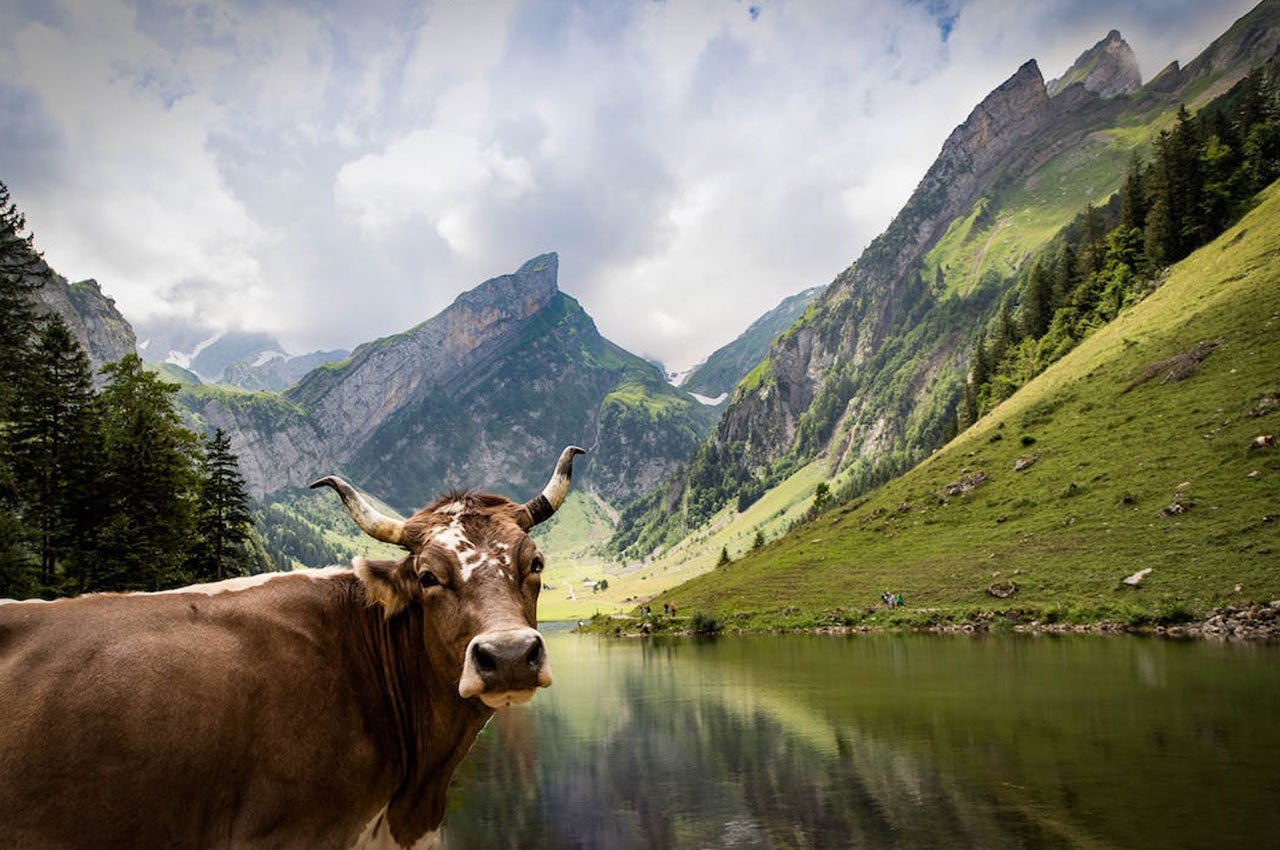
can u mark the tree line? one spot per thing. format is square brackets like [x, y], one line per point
[1202, 175]
[101, 489]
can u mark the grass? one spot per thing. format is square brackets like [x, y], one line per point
[1089, 511]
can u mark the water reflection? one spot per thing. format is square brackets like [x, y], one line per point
[893, 741]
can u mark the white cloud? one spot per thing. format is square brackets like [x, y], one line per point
[296, 167]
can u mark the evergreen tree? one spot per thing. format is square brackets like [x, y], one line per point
[724, 557]
[1037, 301]
[1133, 197]
[821, 497]
[1065, 274]
[20, 265]
[1160, 238]
[223, 517]
[758, 543]
[56, 447]
[150, 483]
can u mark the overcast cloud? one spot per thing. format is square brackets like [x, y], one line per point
[333, 172]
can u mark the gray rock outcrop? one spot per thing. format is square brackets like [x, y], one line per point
[1108, 69]
[91, 317]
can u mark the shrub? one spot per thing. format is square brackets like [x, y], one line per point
[704, 624]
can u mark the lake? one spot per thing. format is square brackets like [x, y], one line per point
[902, 741]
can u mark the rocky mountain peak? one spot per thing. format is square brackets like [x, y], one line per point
[518, 295]
[1108, 69]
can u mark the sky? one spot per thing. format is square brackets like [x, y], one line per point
[336, 171]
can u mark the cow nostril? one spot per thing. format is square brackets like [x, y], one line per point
[534, 658]
[485, 663]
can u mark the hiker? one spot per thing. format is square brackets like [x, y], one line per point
[898, 603]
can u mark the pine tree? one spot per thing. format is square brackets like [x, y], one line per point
[56, 447]
[20, 266]
[724, 557]
[1160, 238]
[1133, 197]
[758, 543]
[150, 483]
[1037, 301]
[1065, 275]
[223, 517]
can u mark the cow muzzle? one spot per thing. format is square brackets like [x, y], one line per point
[505, 667]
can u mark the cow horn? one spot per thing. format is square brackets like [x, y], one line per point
[546, 503]
[377, 525]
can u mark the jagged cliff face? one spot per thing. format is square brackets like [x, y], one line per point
[1108, 69]
[484, 394]
[91, 316]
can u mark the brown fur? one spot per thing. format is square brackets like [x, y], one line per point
[285, 715]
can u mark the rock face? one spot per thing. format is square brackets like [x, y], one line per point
[485, 394]
[91, 316]
[1107, 69]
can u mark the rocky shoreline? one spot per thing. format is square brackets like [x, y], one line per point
[1257, 622]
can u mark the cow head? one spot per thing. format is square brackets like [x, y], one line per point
[475, 573]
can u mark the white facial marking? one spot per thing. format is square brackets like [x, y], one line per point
[454, 538]
[377, 836]
[451, 508]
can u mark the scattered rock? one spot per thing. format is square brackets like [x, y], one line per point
[1255, 474]
[1185, 485]
[1176, 368]
[1025, 462]
[1003, 589]
[965, 484]
[1264, 406]
[1136, 579]
[1174, 509]
[1001, 519]
[1264, 441]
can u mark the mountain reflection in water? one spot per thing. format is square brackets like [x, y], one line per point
[881, 742]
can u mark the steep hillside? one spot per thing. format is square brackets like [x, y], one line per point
[869, 380]
[484, 394]
[720, 372]
[1150, 447]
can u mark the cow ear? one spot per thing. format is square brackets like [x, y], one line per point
[385, 582]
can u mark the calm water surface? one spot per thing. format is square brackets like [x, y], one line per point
[882, 742]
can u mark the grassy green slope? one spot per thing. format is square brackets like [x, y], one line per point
[1068, 529]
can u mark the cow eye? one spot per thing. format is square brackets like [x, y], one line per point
[537, 565]
[428, 579]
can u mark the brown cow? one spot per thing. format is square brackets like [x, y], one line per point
[318, 709]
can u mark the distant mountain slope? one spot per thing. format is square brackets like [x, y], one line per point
[486, 393]
[870, 378]
[275, 372]
[251, 360]
[720, 373]
[1119, 458]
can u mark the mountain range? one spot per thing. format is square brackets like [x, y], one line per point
[481, 394]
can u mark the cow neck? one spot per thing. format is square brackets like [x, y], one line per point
[431, 728]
